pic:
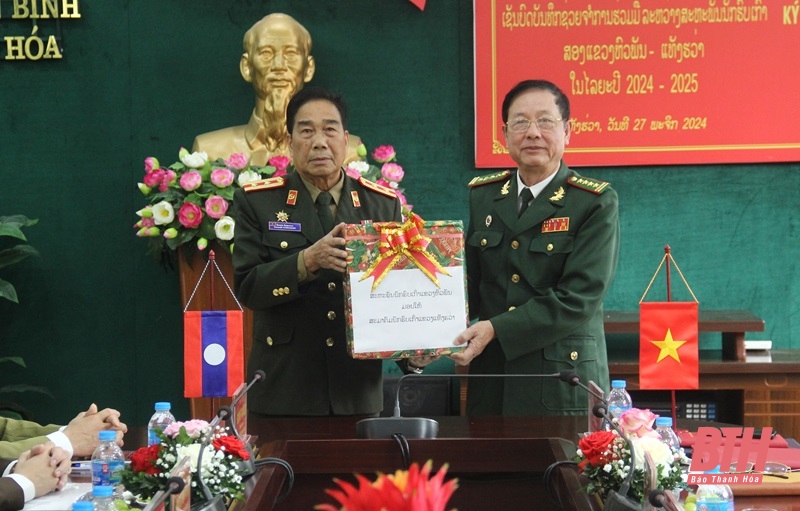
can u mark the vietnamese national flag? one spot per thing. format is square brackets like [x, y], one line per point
[213, 353]
[668, 346]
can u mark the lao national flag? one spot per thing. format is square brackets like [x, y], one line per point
[668, 351]
[212, 353]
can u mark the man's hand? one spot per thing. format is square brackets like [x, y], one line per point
[83, 430]
[327, 253]
[476, 337]
[36, 466]
[59, 460]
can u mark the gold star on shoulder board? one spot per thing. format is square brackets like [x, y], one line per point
[558, 195]
[283, 216]
[504, 189]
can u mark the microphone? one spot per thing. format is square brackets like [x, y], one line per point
[618, 500]
[665, 499]
[420, 427]
[258, 376]
[174, 485]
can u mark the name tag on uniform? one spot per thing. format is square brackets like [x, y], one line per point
[284, 226]
[556, 224]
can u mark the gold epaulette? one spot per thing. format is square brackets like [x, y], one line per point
[366, 183]
[264, 184]
[491, 178]
[588, 184]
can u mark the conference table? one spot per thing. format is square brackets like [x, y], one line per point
[499, 462]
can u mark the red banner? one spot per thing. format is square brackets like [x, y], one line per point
[668, 346]
[687, 83]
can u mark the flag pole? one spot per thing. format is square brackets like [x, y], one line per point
[668, 256]
[212, 259]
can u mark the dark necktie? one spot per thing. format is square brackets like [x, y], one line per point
[324, 201]
[525, 197]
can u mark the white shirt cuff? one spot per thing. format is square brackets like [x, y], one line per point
[27, 486]
[61, 440]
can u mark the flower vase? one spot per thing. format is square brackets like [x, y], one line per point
[191, 263]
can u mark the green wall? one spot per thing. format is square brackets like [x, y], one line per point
[100, 320]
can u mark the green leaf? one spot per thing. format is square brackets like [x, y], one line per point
[17, 360]
[7, 291]
[226, 193]
[18, 221]
[22, 387]
[13, 231]
[15, 254]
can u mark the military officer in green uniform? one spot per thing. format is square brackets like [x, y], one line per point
[288, 268]
[542, 248]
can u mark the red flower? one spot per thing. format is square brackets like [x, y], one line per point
[231, 445]
[595, 447]
[144, 460]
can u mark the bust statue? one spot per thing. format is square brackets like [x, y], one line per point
[277, 61]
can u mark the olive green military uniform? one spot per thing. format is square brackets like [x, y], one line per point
[17, 436]
[540, 280]
[299, 336]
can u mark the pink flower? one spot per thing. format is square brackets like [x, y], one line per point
[237, 161]
[639, 423]
[403, 200]
[222, 177]
[193, 427]
[392, 172]
[168, 179]
[281, 163]
[354, 173]
[146, 222]
[383, 182]
[190, 215]
[154, 178]
[150, 164]
[383, 153]
[280, 172]
[191, 180]
[216, 206]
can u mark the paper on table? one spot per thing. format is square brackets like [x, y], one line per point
[59, 500]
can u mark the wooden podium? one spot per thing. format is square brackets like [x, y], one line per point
[498, 461]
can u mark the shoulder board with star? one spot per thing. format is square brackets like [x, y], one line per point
[491, 178]
[383, 190]
[589, 184]
[264, 184]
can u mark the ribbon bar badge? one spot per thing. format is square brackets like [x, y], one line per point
[398, 240]
[556, 224]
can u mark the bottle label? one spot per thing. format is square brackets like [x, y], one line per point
[152, 438]
[107, 472]
[722, 505]
[617, 410]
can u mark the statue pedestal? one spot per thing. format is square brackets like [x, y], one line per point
[212, 294]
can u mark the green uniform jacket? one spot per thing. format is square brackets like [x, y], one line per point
[17, 436]
[541, 283]
[299, 336]
[12, 498]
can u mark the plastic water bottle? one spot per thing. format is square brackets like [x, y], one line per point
[83, 505]
[667, 434]
[160, 420]
[107, 461]
[714, 497]
[618, 399]
[103, 498]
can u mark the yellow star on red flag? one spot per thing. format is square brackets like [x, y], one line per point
[669, 347]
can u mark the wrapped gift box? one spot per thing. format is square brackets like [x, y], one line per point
[405, 288]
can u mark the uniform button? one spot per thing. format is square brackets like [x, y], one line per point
[329, 341]
[484, 242]
[284, 244]
[331, 286]
[269, 341]
[511, 308]
[274, 292]
[515, 278]
[573, 356]
[286, 290]
[549, 247]
[331, 315]
[515, 244]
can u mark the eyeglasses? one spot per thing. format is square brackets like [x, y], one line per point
[771, 468]
[543, 123]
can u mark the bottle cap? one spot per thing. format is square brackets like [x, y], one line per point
[162, 406]
[83, 505]
[102, 491]
[618, 384]
[107, 435]
[664, 421]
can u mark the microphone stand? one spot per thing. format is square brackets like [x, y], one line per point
[247, 467]
[213, 502]
[174, 485]
[618, 500]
